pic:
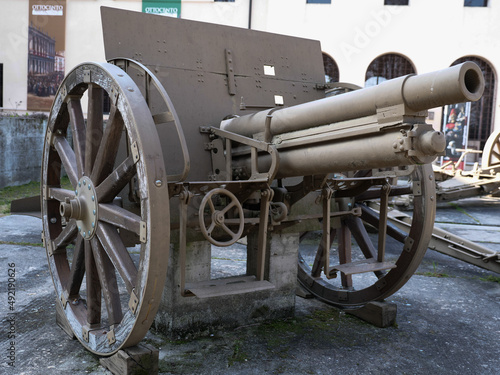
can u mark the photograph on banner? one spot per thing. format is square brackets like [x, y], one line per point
[169, 8]
[456, 130]
[46, 46]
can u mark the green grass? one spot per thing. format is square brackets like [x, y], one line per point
[10, 193]
[494, 279]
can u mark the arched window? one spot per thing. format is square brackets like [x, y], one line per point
[331, 69]
[386, 67]
[481, 112]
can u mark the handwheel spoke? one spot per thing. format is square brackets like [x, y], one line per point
[116, 181]
[228, 207]
[77, 269]
[118, 254]
[227, 230]
[211, 205]
[93, 287]
[106, 155]
[68, 159]
[93, 133]
[78, 129]
[109, 285]
[66, 236]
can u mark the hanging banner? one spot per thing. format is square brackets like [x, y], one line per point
[456, 130]
[46, 46]
[170, 8]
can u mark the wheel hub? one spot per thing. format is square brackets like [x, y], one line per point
[83, 208]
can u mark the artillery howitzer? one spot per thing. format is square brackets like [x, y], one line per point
[260, 152]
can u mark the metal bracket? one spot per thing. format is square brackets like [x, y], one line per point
[135, 152]
[184, 199]
[417, 188]
[381, 283]
[86, 76]
[113, 95]
[231, 84]
[111, 337]
[64, 301]
[408, 244]
[143, 232]
[85, 334]
[254, 147]
[50, 247]
[133, 302]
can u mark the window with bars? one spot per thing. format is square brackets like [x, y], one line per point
[331, 69]
[481, 112]
[386, 67]
[475, 3]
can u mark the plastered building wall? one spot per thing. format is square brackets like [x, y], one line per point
[431, 34]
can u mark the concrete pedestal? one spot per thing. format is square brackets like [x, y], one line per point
[180, 316]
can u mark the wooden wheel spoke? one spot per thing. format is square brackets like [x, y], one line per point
[68, 159]
[109, 284]
[93, 287]
[77, 269]
[78, 129]
[118, 254]
[93, 133]
[120, 217]
[66, 236]
[345, 255]
[319, 259]
[372, 218]
[358, 231]
[60, 194]
[116, 181]
[106, 155]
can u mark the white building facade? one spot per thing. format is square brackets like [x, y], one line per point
[426, 34]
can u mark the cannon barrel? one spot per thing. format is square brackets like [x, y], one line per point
[382, 126]
[460, 83]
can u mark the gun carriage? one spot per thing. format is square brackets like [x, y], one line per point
[217, 134]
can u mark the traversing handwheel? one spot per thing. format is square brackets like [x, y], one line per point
[82, 226]
[363, 260]
[216, 212]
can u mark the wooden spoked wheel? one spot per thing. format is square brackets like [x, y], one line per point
[491, 153]
[358, 252]
[118, 186]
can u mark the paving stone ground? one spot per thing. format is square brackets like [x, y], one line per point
[445, 325]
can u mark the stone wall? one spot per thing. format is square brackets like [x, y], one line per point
[21, 147]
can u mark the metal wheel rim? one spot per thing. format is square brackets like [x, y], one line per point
[144, 288]
[491, 153]
[407, 263]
